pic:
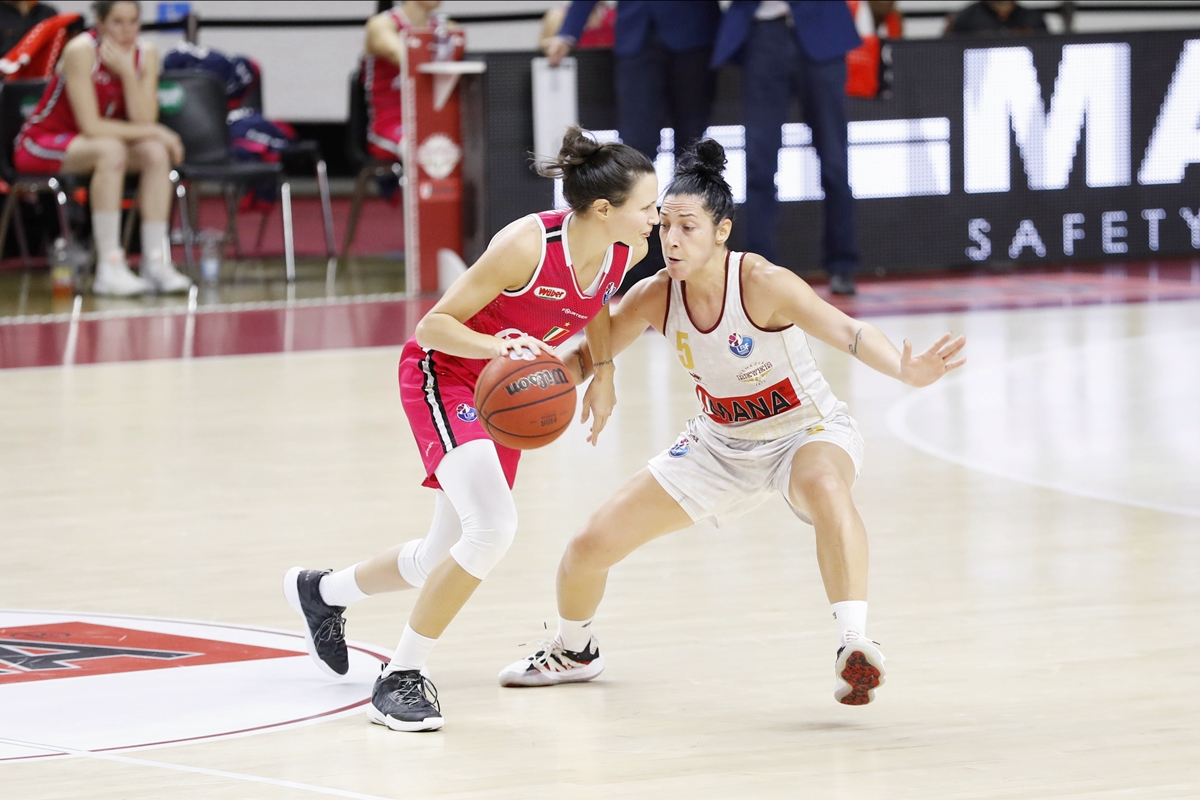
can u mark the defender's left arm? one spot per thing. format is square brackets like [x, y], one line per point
[781, 297]
[601, 395]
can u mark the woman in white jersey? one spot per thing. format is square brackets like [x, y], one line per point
[770, 423]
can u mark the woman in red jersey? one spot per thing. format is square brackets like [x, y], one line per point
[542, 278]
[381, 74]
[98, 116]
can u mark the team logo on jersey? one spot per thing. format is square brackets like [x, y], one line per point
[756, 373]
[680, 449]
[466, 413]
[609, 291]
[740, 345]
[550, 293]
[555, 333]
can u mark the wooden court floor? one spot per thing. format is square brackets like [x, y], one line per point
[1035, 580]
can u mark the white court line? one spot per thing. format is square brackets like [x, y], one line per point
[216, 773]
[897, 421]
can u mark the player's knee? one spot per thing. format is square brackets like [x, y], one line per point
[483, 545]
[818, 486]
[153, 156]
[112, 155]
[589, 549]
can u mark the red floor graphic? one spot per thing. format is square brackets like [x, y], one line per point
[383, 320]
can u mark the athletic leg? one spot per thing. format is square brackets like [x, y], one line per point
[639, 512]
[149, 158]
[106, 160]
[821, 478]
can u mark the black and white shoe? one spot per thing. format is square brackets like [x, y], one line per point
[405, 701]
[552, 663]
[324, 626]
[859, 671]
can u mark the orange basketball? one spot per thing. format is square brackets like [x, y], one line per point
[525, 404]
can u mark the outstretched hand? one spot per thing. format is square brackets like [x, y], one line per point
[926, 368]
[598, 403]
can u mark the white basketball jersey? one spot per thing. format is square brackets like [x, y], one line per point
[752, 383]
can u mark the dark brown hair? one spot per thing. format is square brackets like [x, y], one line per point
[592, 171]
[699, 173]
[102, 8]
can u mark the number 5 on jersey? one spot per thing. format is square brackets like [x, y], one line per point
[685, 350]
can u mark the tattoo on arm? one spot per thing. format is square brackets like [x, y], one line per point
[854, 344]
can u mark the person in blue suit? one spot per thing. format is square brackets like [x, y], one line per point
[662, 51]
[799, 48]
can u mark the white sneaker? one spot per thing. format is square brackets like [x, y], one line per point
[859, 672]
[164, 278]
[552, 664]
[113, 278]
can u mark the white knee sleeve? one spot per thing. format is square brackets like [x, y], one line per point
[418, 557]
[474, 482]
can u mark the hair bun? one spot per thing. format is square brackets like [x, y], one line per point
[577, 147]
[706, 157]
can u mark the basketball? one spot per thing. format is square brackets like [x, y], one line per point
[525, 403]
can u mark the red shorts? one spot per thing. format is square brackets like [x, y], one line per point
[383, 140]
[440, 408]
[41, 153]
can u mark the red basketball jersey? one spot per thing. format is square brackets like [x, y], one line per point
[381, 79]
[552, 306]
[53, 113]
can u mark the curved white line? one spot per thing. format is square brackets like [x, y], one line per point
[216, 773]
[897, 422]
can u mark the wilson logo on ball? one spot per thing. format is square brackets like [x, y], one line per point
[550, 293]
[543, 379]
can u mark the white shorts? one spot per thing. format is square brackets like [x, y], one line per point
[712, 475]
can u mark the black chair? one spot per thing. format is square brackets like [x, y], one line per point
[303, 152]
[368, 166]
[197, 113]
[17, 101]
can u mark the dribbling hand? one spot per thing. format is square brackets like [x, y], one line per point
[930, 366]
[525, 347]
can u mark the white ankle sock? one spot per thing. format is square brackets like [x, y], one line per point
[412, 652]
[575, 635]
[340, 588]
[154, 236]
[851, 618]
[106, 230]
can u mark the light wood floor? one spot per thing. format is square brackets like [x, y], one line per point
[1035, 533]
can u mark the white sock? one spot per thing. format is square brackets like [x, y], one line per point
[412, 652]
[575, 635]
[106, 229]
[154, 235]
[851, 618]
[340, 588]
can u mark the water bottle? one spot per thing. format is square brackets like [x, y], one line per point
[210, 256]
[62, 270]
[443, 45]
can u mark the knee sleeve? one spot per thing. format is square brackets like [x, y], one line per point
[474, 483]
[418, 557]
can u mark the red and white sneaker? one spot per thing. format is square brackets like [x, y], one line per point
[859, 670]
[552, 664]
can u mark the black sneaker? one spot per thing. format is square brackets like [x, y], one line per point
[405, 701]
[324, 627]
[842, 283]
[552, 663]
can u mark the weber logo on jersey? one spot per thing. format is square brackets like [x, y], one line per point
[550, 293]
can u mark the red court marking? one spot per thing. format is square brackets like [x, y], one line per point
[29, 653]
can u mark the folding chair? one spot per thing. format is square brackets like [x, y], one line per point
[368, 166]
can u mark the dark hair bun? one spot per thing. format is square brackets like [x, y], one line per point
[705, 158]
[577, 147]
[591, 171]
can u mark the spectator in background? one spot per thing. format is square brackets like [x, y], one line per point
[598, 33]
[662, 50]
[791, 48]
[18, 17]
[105, 124]
[995, 18]
[381, 74]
